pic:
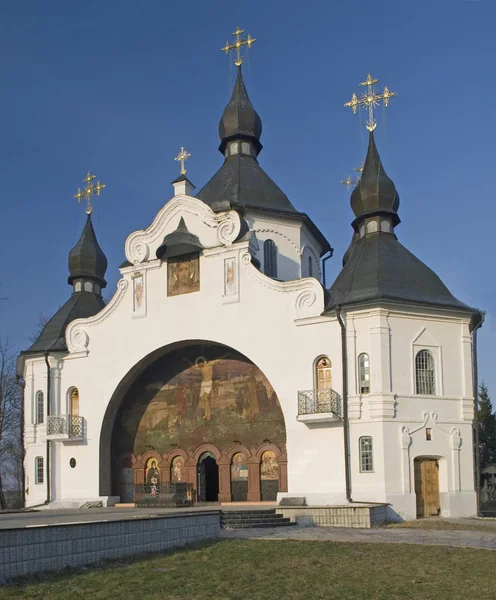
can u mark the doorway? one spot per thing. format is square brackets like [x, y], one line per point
[427, 487]
[208, 478]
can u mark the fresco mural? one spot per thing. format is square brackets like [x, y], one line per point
[186, 401]
[183, 275]
[177, 469]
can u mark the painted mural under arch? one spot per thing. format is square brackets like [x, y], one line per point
[198, 395]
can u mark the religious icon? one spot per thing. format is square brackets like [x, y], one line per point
[183, 275]
[229, 276]
[206, 369]
[269, 468]
[239, 468]
[177, 469]
[153, 477]
[138, 291]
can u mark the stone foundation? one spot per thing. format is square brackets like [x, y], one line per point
[361, 516]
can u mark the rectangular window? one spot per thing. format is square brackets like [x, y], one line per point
[39, 472]
[366, 461]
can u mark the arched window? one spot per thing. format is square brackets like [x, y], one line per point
[270, 258]
[310, 266]
[364, 373]
[323, 376]
[39, 471]
[74, 404]
[40, 407]
[424, 373]
[366, 459]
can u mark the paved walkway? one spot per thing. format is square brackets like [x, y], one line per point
[467, 539]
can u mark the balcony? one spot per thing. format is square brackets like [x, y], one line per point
[319, 406]
[65, 427]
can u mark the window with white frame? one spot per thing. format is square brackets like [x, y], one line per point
[270, 258]
[366, 459]
[39, 407]
[39, 472]
[364, 373]
[425, 380]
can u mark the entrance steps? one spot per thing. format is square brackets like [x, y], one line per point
[253, 519]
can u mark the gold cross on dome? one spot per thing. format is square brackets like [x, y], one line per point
[370, 99]
[181, 157]
[348, 182]
[88, 191]
[236, 47]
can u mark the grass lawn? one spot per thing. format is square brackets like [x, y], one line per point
[273, 569]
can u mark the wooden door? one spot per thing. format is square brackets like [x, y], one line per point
[75, 402]
[427, 487]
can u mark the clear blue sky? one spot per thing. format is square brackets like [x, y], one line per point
[118, 87]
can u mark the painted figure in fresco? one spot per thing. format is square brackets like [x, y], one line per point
[206, 370]
[152, 473]
[269, 468]
[230, 277]
[240, 402]
[253, 408]
[177, 469]
[262, 397]
[181, 401]
[138, 291]
[239, 469]
[182, 279]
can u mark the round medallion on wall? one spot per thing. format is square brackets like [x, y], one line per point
[72, 462]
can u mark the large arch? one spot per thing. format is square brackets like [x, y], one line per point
[160, 406]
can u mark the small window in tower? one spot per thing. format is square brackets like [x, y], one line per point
[366, 458]
[425, 373]
[428, 434]
[40, 407]
[310, 266]
[270, 258]
[39, 471]
[364, 373]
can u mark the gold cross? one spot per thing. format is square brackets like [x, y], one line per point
[181, 157]
[348, 182]
[236, 47]
[88, 191]
[370, 99]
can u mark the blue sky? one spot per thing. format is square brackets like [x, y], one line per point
[119, 87]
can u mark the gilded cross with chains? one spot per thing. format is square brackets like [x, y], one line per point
[90, 189]
[348, 182]
[236, 47]
[181, 157]
[369, 99]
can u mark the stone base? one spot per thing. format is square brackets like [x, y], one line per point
[362, 516]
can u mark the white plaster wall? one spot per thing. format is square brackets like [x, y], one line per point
[277, 325]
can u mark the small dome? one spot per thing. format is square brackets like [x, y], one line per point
[86, 259]
[179, 242]
[375, 192]
[240, 119]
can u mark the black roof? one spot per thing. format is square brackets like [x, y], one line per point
[79, 306]
[179, 242]
[87, 259]
[376, 266]
[379, 267]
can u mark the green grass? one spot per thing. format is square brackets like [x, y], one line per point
[273, 569]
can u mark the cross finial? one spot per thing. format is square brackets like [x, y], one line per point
[88, 191]
[369, 99]
[236, 47]
[181, 157]
[349, 181]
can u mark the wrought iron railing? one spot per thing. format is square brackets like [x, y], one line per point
[164, 495]
[319, 401]
[65, 425]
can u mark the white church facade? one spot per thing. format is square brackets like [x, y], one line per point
[223, 361]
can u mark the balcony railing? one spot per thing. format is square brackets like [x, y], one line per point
[314, 402]
[65, 427]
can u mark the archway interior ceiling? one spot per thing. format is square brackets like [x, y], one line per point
[204, 394]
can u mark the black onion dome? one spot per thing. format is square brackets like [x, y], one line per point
[375, 192]
[240, 119]
[86, 259]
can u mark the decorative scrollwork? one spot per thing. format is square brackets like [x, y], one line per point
[228, 228]
[305, 299]
[139, 251]
[78, 340]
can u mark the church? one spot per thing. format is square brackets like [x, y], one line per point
[222, 360]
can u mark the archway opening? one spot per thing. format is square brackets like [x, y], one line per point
[191, 402]
[208, 478]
